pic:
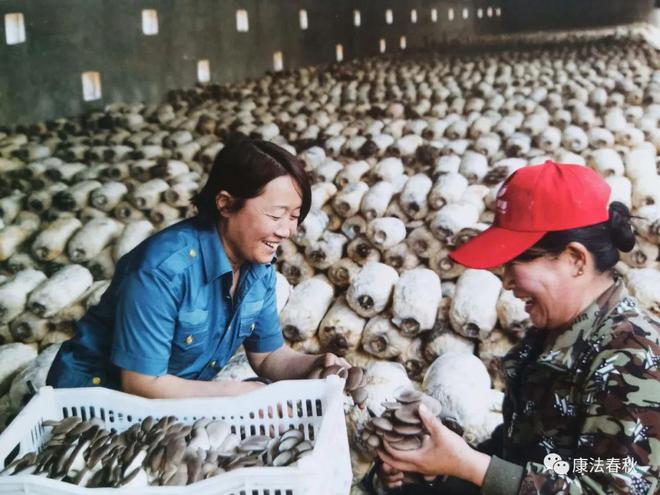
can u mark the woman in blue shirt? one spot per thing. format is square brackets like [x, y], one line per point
[185, 299]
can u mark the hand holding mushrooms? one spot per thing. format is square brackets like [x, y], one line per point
[441, 453]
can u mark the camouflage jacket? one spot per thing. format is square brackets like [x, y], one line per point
[591, 398]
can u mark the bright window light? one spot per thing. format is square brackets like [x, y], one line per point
[466, 13]
[498, 12]
[389, 16]
[242, 24]
[450, 14]
[91, 86]
[339, 52]
[203, 71]
[14, 28]
[150, 22]
[403, 43]
[434, 15]
[302, 17]
[357, 18]
[413, 16]
[278, 61]
[480, 13]
[489, 11]
[382, 45]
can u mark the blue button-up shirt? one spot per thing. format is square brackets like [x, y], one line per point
[168, 310]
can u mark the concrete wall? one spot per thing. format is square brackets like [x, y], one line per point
[40, 79]
[534, 15]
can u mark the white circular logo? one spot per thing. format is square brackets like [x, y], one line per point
[550, 460]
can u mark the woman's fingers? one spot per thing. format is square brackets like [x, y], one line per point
[344, 363]
[390, 476]
[399, 464]
[390, 479]
[433, 424]
[390, 470]
[332, 360]
[329, 359]
[406, 456]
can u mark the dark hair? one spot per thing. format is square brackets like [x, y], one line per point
[603, 240]
[243, 168]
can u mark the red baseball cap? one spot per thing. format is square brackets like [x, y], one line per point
[535, 200]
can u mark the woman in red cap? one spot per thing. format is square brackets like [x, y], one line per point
[582, 403]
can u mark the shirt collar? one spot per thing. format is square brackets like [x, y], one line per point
[570, 344]
[213, 252]
[214, 256]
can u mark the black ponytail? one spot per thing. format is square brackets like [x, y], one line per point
[621, 229]
[602, 240]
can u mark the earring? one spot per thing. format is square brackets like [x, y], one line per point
[580, 272]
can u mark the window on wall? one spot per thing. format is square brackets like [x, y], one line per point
[150, 22]
[242, 24]
[278, 61]
[434, 15]
[389, 17]
[14, 28]
[466, 13]
[480, 13]
[91, 86]
[403, 43]
[382, 46]
[357, 18]
[302, 17]
[489, 11]
[450, 14]
[203, 71]
[339, 52]
[413, 16]
[498, 12]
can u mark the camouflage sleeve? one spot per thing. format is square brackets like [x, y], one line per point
[619, 442]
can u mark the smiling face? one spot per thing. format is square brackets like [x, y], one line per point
[547, 286]
[253, 233]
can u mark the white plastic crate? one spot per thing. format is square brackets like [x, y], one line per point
[315, 406]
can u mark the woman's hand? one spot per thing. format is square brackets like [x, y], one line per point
[391, 477]
[443, 452]
[286, 364]
[329, 359]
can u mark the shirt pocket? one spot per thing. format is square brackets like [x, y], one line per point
[192, 330]
[252, 308]
[249, 313]
[247, 325]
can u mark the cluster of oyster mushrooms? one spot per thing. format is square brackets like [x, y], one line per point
[406, 156]
[154, 452]
[401, 425]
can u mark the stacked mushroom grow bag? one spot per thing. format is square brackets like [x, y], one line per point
[406, 155]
